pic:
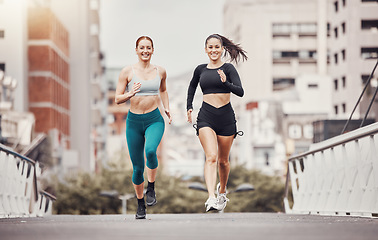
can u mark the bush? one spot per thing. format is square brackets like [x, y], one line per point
[80, 194]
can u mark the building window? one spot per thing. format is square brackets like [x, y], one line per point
[336, 32]
[289, 54]
[266, 156]
[286, 29]
[1, 32]
[367, 53]
[283, 83]
[369, 1]
[343, 80]
[343, 27]
[336, 58]
[343, 54]
[308, 131]
[369, 24]
[344, 107]
[312, 85]
[295, 131]
[336, 109]
[328, 29]
[344, 3]
[335, 84]
[336, 5]
[2, 67]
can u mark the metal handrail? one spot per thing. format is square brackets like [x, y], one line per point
[343, 141]
[359, 99]
[11, 151]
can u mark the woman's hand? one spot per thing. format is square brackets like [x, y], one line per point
[169, 116]
[222, 75]
[189, 115]
[135, 88]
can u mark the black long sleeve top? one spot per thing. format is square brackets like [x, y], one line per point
[210, 82]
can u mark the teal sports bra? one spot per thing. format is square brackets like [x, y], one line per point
[148, 87]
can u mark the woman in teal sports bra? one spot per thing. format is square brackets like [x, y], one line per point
[146, 88]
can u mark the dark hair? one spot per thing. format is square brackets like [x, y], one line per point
[234, 50]
[146, 38]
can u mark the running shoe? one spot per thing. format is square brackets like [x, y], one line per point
[221, 199]
[141, 212]
[211, 204]
[150, 197]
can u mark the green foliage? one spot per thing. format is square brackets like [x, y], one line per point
[80, 194]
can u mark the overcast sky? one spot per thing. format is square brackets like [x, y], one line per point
[177, 27]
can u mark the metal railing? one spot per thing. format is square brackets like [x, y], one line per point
[338, 176]
[20, 195]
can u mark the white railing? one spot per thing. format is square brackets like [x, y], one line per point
[338, 176]
[19, 192]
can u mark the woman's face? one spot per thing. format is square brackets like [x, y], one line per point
[144, 50]
[214, 49]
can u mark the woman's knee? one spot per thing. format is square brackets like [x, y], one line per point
[211, 158]
[138, 175]
[152, 161]
[223, 161]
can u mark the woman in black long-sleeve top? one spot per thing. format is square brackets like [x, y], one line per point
[216, 124]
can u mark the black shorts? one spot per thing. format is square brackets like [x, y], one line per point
[221, 120]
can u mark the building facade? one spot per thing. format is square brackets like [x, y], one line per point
[285, 77]
[353, 52]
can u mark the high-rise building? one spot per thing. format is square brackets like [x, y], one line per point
[285, 81]
[52, 48]
[88, 87]
[353, 53]
[48, 73]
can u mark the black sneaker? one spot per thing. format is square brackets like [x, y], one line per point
[151, 197]
[141, 212]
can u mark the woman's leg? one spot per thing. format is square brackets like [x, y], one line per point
[153, 135]
[135, 143]
[208, 140]
[224, 147]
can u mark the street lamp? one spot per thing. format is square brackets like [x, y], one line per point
[114, 194]
[244, 187]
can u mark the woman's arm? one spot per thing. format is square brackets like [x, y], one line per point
[192, 88]
[164, 93]
[233, 82]
[123, 80]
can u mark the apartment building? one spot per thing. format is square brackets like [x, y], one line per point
[353, 52]
[285, 81]
[52, 48]
[48, 73]
[88, 87]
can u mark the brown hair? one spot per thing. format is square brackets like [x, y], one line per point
[146, 38]
[234, 50]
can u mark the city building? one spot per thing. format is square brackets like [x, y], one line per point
[353, 53]
[88, 87]
[52, 49]
[285, 78]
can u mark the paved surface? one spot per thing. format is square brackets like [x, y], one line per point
[231, 226]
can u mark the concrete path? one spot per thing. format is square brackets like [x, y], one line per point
[231, 226]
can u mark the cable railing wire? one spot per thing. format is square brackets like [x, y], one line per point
[359, 99]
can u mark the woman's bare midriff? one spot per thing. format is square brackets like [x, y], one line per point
[217, 99]
[143, 104]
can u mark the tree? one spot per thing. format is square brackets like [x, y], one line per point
[80, 194]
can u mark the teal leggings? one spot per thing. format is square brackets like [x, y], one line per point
[143, 134]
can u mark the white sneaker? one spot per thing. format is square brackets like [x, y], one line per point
[221, 199]
[211, 204]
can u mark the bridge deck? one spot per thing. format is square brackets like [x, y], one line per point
[231, 226]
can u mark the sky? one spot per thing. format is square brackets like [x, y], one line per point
[177, 27]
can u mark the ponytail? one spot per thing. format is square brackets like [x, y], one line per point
[234, 50]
